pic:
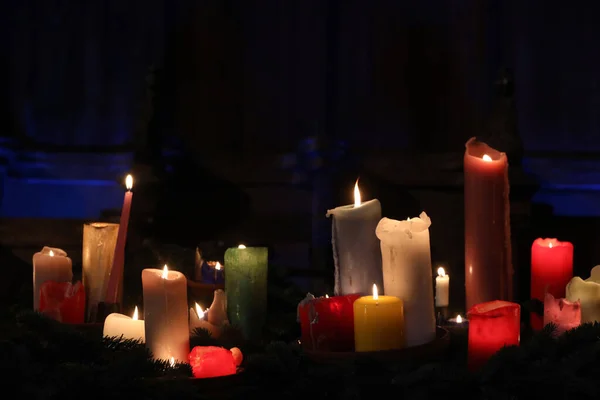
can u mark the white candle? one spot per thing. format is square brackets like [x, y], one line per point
[49, 264]
[588, 293]
[198, 321]
[217, 313]
[356, 253]
[165, 314]
[119, 325]
[407, 274]
[442, 288]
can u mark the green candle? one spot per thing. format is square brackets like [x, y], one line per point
[246, 287]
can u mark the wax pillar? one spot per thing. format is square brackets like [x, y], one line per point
[407, 274]
[492, 326]
[378, 323]
[551, 271]
[217, 313]
[588, 293]
[119, 325]
[327, 323]
[356, 253]
[63, 301]
[562, 313]
[488, 264]
[442, 288]
[166, 314]
[246, 287]
[49, 264]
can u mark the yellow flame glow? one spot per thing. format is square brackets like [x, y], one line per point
[550, 244]
[486, 158]
[199, 311]
[458, 319]
[51, 254]
[241, 246]
[165, 273]
[375, 292]
[172, 362]
[129, 182]
[441, 271]
[357, 200]
[218, 266]
[135, 314]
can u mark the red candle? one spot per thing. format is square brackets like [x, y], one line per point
[63, 301]
[211, 362]
[327, 323]
[551, 270]
[488, 266]
[562, 313]
[116, 273]
[492, 325]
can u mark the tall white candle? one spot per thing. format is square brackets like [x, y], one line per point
[166, 314]
[407, 274]
[119, 325]
[588, 293]
[442, 288]
[356, 251]
[50, 264]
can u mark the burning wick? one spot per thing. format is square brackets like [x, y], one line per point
[550, 244]
[357, 200]
[241, 246]
[441, 271]
[165, 273]
[129, 182]
[486, 158]
[326, 296]
[199, 312]
[172, 362]
[135, 314]
[375, 293]
[458, 319]
[51, 253]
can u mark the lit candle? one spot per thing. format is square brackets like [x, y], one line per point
[551, 270]
[588, 293]
[50, 264]
[493, 325]
[217, 313]
[442, 288]
[246, 287]
[407, 274]
[488, 266]
[198, 321]
[165, 314]
[119, 325]
[116, 273]
[356, 253]
[562, 313]
[63, 301]
[378, 323]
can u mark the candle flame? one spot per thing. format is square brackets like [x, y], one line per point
[241, 246]
[375, 293]
[550, 244]
[199, 311]
[172, 362]
[458, 319]
[357, 200]
[486, 158]
[218, 266]
[326, 296]
[129, 182]
[135, 314]
[441, 271]
[51, 254]
[165, 273]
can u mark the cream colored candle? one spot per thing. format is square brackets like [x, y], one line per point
[166, 314]
[50, 264]
[442, 288]
[198, 321]
[217, 313]
[588, 293]
[407, 274]
[119, 325]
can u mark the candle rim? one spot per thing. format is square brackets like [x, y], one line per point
[349, 207]
[477, 149]
[101, 225]
[159, 272]
[545, 242]
[550, 298]
[492, 309]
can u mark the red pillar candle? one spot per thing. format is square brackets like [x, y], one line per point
[488, 266]
[551, 270]
[327, 323]
[562, 313]
[63, 301]
[492, 325]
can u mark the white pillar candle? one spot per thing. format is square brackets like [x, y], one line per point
[198, 321]
[588, 293]
[165, 314]
[119, 325]
[50, 264]
[356, 253]
[217, 313]
[407, 274]
[442, 288]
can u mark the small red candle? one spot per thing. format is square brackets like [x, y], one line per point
[327, 323]
[63, 301]
[211, 362]
[562, 313]
[492, 325]
[551, 270]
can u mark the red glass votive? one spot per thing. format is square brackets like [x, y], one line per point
[492, 326]
[327, 323]
[551, 270]
[211, 362]
[63, 301]
[562, 313]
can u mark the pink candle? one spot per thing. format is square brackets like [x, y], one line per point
[116, 273]
[551, 270]
[562, 313]
[488, 266]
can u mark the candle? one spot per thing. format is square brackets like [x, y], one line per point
[551, 270]
[378, 323]
[562, 313]
[407, 274]
[165, 314]
[217, 313]
[116, 274]
[63, 301]
[246, 287]
[49, 264]
[356, 253]
[442, 288]
[488, 266]
[198, 321]
[327, 323]
[122, 326]
[493, 325]
[588, 293]
[457, 325]
[212, 361]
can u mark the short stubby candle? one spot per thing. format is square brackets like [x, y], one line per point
[587, 292]
[551, 270]
[442, 288]
[492, 326]
[563, 314]
[63, 301]
[125, 327]
[327, 323]
[50, 264]
[378, 323]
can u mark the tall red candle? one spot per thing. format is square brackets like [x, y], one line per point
[551, 270]
[116, 273]
[492, 325]
[327, 323]
[488, 265]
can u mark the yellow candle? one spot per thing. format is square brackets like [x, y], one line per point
[378, 323]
